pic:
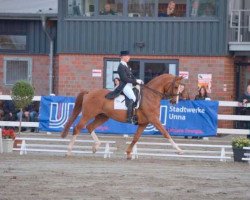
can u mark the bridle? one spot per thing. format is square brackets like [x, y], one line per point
[165, 95]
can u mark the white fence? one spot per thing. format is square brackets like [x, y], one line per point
[60, 146]
[247, 155]
[16, 124]
[197, 151]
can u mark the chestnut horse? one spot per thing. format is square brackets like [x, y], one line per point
[94, 105]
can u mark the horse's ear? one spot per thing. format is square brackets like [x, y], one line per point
[179, 78]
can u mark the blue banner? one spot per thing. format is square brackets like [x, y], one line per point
[187, 118]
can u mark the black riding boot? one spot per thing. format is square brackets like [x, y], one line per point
[130, 111]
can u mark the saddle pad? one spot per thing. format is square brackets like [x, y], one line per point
[119, 103]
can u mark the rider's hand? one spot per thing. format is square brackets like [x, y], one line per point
[139, 81]
[244, 101]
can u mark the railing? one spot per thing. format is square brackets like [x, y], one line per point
[240, 26]
[52, 145]
[247, 155]
[194, 151]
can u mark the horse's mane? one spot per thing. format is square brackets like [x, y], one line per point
[160, 78]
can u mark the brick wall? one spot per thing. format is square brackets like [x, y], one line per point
[40, 69]
[75, 73]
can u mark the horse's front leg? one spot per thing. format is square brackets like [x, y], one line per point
[76, 132]
[137, 135]
[156, 122]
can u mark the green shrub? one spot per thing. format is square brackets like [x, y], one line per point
[22, 94]
[240, 142]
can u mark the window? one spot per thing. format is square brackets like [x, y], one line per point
[110, 8]
[16, 69]
[169, 8]
[111, 73]
[13, 42]
[145, 70]
[203, 8]
[141, 8]
[81, 8]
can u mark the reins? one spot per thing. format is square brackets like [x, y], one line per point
[163, 95]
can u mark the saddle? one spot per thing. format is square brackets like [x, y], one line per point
[137, 91]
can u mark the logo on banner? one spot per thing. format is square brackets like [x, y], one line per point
[163, 119]
[59, 114]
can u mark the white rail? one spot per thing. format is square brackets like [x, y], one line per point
[191, 151]
[246, 154]
[52, 146]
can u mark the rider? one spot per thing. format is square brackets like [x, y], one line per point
[126, 84]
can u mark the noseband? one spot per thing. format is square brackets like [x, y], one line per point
[164, 95]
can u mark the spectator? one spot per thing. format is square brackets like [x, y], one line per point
[107, 10]
[9, 111]
[195, 8]
[170, 10]
[183, 95]
[1, 111]
[25, 117]
[30, 114]
[245, 99]
[116, 82]
[202, 94]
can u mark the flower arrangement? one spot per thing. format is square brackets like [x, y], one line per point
[240, 142]
[8, 134]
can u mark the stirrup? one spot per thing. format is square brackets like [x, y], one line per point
[133, 120]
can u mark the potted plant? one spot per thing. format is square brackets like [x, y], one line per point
[237, 145]
[22, 95]
[8, 137]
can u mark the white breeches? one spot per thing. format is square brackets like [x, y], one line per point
[127, 90]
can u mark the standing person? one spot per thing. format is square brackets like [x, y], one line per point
[183, 94]
[245, 99]
[202, 95]
[127, 82]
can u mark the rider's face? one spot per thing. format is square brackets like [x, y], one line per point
[126, 58]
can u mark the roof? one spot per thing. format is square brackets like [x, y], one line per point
[28, 8]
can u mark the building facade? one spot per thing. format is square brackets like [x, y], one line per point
[200, 39]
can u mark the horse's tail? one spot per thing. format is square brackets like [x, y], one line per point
[77, 109]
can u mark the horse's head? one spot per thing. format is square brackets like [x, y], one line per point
[172, 89]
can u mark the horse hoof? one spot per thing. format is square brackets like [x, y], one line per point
[67, 155]
[180, 152]
[129, 157]
[95, 147]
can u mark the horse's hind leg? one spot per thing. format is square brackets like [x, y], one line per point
[137, 135]
[99, 120]
[76, 132]
[164, 132]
